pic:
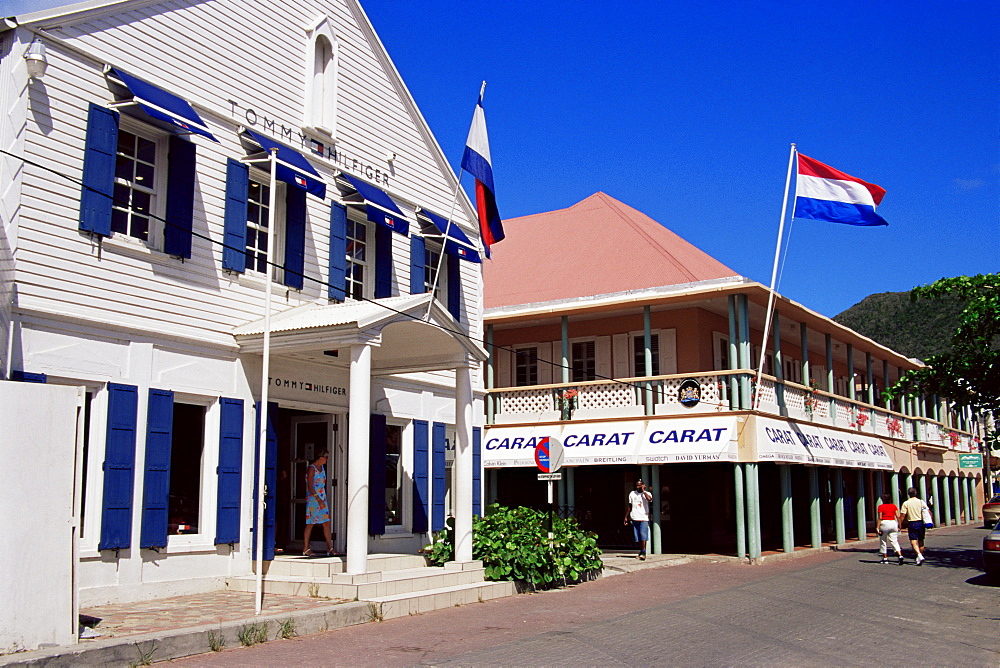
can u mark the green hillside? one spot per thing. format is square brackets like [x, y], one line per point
[916, 329]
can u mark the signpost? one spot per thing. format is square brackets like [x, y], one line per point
[549, 454]
[974, 461]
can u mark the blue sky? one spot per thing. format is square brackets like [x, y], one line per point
[686, 111]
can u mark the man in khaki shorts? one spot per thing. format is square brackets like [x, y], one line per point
[912, 513]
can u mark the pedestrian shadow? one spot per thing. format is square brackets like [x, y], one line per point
[936, 557]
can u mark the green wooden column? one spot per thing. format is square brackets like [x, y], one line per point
[878, 477]
[565, 348]
[491, 410]
[909, 481]
[840, 529]
[936, 494]
[734, 361]
[787, 526]
[870, 379]
[779, 366]
[860, 506]
[922, 487]
[815, 525]
[973, 500]
[829, 378]
[850, 372]
[753, 510]
[656, 527]
[956, 498]
[885, 381]
[895, 488]
[739, 484]
[946, 489]
[743, 309]
[804, 345]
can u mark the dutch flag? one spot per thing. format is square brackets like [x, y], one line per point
[825, 193]
[476, 161]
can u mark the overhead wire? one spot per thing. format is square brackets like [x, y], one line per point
[322, 283]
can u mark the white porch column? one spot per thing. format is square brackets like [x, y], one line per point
[463, 464]
[357, 458]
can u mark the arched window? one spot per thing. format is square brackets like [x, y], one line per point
[321, 82]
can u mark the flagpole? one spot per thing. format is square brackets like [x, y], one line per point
[454, 203]
[774, 276]
[264, 374]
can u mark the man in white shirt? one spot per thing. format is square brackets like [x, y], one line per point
[638, 514]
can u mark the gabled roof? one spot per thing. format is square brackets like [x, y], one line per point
[595, 247]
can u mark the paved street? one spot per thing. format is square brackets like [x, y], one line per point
[840, 608]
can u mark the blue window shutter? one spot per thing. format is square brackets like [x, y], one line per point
[337, 276]
[180, 198]
[417, 249]
[295, 237]
[383, 261]
[270, 479]
[420, 466]
[230, 471]
[454, 288]
[477, 471]
[438, 442]
[119, 465]
[156, 483]
[376, 476]
[98, 170]
[234, 254]
[28, 377]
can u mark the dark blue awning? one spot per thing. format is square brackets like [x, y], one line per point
[291, 166]
[379, 206]
[162, 105]
[456, 242]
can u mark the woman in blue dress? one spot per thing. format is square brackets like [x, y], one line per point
[317, 509]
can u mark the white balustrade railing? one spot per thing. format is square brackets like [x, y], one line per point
[719, 391]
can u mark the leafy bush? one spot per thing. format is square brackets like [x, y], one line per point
[513, 544]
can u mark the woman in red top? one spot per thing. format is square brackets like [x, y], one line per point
[888, 528]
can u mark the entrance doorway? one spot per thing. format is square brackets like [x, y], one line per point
[302, 436]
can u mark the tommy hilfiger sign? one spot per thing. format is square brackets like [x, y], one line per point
[296, 138]
[295, 384]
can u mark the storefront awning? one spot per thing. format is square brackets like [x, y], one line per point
[653, 441]
[160, 104]
[380, 208]
[455, 240]
[781, 441]
[291, 166]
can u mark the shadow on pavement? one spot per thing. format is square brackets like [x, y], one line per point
[983, 580]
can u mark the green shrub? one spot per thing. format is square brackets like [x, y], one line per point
[513, 544]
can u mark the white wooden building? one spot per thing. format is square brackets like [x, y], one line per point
[137, 202]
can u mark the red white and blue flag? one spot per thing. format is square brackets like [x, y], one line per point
[476, 161]
[828, 194]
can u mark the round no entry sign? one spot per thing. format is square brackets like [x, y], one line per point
[549, 455]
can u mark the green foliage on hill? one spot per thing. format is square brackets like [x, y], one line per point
[914, 328]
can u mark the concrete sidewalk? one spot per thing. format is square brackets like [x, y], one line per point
[163, 629]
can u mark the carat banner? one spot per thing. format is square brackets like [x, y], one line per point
[779, 441]
[655, 441]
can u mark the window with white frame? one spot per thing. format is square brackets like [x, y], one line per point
[360, 258]
[432, 261]
[583, 361]
[526, 366]
[639, 354]
[140, 180]
[262, 222]
[720, 351]
[321, 88]
[393, 475]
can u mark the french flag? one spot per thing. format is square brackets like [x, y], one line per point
[476, 161]
[825, 193]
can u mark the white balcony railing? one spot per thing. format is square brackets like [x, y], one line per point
[720, 391]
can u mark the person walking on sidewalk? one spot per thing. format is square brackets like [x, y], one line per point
[317, 508]
[888, 529]
[913, 513]
[638, 514]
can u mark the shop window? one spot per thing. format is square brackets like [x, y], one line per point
[187, 448]
[393, 475]
[359, 260]
[526, 366]
[261, 222]
[639, 354]
[584, 361]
